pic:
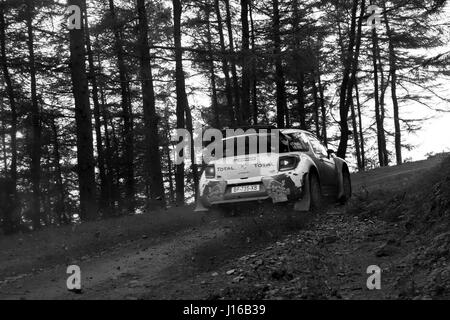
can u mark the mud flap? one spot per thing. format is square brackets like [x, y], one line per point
[199, 207]
[304, 204]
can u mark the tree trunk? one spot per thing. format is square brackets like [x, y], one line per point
[11, 96]
[194, 169]
[126, 110]
[170, 177]
[393, 73]
[254, 68]
[343, 105]
[349, 98]
[115, 166]
[377, 98]
[237, 96]
[153, 171]
[361, 134]
[279, 73]
[85, 149]
[169, 161]
[323, 111]
[301, 100]
[225, 67]
[182, 101]
[300, 80]
[316, 105]
[60, 209]
[355, 58]
[7, 206]
[35, 122]
[355, 135]
[109, 168]
[104, 194]
[3, 131]
[383, 84]
[245, 61]
[212, 73]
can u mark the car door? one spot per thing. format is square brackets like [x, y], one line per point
[324, 163]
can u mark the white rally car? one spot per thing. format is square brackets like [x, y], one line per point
[300, 170]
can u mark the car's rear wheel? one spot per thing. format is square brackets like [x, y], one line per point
[347, 186]
[315, 192]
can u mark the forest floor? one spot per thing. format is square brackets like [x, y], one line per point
[398, 220]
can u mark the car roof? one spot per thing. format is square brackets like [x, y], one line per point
[289, 131]
[283, 131]
[248, 135]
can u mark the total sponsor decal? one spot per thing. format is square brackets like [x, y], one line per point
[255, 165]
[222, 169]
[263, 165]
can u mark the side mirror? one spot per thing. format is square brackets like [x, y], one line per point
[330, 152]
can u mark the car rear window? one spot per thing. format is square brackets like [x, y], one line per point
[254, 144]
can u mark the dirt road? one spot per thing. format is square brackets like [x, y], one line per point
[203, 256]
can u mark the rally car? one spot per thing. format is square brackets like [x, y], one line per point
[299, 170]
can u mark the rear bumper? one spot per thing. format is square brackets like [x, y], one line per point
[279, 188]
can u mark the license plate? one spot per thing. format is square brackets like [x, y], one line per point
[250, 188]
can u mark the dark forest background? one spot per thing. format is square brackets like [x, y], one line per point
[86, 115]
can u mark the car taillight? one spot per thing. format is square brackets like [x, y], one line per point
[288, 163]
[210, 172]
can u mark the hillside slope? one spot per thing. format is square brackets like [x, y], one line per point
[398, 220]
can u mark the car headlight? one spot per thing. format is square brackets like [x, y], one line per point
[210, 172]
[287, 163]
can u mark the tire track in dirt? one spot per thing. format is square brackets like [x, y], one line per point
[138, 270]
[114, 275]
